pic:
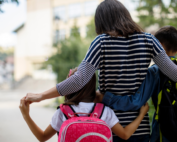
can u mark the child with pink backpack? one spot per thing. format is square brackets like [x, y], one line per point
[81, 120]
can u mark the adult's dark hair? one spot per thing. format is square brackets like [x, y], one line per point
[86, 94]
[113, 18]
[167, 35]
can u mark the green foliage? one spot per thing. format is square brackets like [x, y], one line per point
[151, 111]
[156, 11]
[7, 1]
[69, 54]
[75, 31]
[91, 34]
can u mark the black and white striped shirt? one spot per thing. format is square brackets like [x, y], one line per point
[122, 63]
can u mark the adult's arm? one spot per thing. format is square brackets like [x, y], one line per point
[51, 93]
[84, 72]
[149, 87]
[77, 81]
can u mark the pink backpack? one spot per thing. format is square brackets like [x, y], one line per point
[84, 128]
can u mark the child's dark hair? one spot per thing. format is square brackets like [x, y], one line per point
[167, 35]
[86, 94]
[113, 18]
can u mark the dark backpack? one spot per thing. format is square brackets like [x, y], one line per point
[166, 110]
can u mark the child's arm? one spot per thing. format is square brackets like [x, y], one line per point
[126, 132]
[39, 134]
[133, 102]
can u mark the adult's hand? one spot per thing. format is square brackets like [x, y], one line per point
[32, 97]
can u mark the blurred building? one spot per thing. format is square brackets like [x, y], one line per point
[47, 22]
[6, 72]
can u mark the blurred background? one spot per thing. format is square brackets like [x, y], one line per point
[40, 40]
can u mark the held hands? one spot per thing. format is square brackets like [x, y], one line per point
[24, 107]
[144, 109]
[31, 97]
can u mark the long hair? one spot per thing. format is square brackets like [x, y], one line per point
[113, 18]
[86, 94]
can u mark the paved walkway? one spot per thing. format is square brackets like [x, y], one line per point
[12, 126]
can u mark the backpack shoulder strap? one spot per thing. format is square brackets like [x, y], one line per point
[67, 110]
[97, 110]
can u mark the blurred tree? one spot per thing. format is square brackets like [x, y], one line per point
[70, 52]
[68, 55]
[162, 12]
[6, 1]
[91, 30]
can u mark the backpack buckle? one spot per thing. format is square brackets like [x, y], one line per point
[95, 115]
[70, 115]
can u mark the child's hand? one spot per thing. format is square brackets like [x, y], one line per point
[99, 97]
[24, 107]
[144, 109]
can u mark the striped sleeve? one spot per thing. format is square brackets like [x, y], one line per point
[166, 66]
[93, 54]
[157, 47]
[84, 72]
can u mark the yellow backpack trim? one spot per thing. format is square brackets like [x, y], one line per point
[158, 103]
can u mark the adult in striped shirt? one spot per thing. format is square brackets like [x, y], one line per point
[122, 53]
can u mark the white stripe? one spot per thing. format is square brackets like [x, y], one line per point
[140, 134]
[122, 79]
[128, 75]
[95, 55]
[131, 117]
[130, 89]
[132, 120]
[144, 34]
[96, 62]
[125, 84]
[126, 113]
[120, 65]
[146, 125]
[125, 55]
[122, 50]
[142, 129]
[135, 44]
[137, 39]
[93, 51]
[94, 43]
[127, 70]
[159, 45]
[155, 49]
[122, 92]
[127, 60]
